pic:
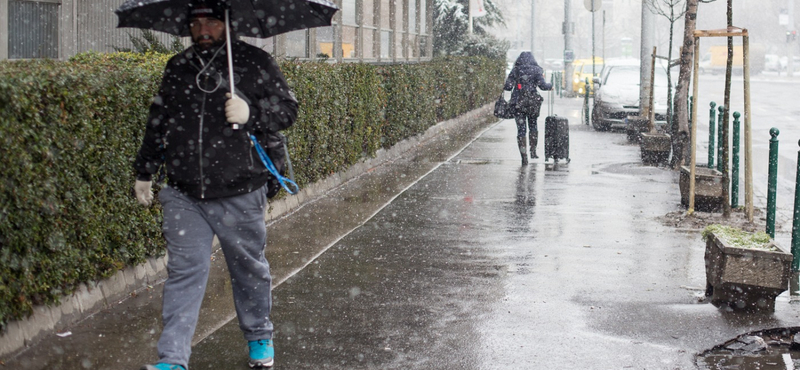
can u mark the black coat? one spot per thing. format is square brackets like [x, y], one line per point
[187, 130]
[523, 81]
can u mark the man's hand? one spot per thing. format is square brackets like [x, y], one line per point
[144, 192]
[236, 110]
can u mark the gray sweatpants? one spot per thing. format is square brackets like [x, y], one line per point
[189, 227]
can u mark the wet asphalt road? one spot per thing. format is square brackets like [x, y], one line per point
[457, 257]
[484, 264]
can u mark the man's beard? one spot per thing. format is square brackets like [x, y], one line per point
[205, 47]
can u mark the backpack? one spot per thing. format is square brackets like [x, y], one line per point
[528, 99]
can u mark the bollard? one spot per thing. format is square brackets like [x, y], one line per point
[560, 85]
[735, 160]
[796, 219]
[711, 131]
[720, 122]
[560, 82]
[555, 83]
[772, 182]
[586, 99]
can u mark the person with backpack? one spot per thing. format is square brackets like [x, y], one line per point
[523, 81]
[200, 131]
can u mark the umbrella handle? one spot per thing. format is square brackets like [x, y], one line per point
[230, 57]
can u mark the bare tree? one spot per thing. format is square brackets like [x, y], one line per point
[680, 137]
[672, 10]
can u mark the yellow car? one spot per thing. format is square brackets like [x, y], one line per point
[583, 70]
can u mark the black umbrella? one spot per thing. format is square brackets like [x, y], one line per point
[253, 18]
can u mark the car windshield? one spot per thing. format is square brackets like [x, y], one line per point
[629, 76]
[587, 68]
[623, 77]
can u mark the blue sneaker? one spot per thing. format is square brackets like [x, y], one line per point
[163, 366]
[261, 353]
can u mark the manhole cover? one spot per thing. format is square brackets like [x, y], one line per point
[765, 350]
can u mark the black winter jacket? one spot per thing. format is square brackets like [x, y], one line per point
[187, 130]
[523, 81]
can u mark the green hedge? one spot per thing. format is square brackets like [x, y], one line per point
[70, 130]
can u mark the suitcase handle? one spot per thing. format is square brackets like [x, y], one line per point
[550, 97]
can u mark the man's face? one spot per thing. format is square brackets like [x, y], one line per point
[207, 31]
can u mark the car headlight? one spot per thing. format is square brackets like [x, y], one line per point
[576, 80]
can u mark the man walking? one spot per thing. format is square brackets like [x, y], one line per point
[200, 132]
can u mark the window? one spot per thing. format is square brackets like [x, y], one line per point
[348, 42]
[386, 14]
[412, 46]
[325, 42]
[398, 9]
[398, 45]
[386, 44]
[368, 10]
[297, 44]
[32, 30]
[412, 16]
[369, 39]
[423, 16]
[366, 30]
[349, 12]
[423, 47]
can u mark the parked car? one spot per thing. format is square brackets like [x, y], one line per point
[775, 63]
[617, 97]
[554, 64]
[582, 69]
[795, 63]
[614, 62]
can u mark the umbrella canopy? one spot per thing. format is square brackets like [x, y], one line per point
[253, 18]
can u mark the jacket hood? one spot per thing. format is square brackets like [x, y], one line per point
[525, 58]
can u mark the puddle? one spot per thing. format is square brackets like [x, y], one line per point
[632, 169]
[484, 139]
[773, 350]
[478, 161]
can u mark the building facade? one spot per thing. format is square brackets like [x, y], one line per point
[372, 31]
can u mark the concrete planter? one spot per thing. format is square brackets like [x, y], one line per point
[655, 148]
[707, 188]
[634, 126]
[745, 278]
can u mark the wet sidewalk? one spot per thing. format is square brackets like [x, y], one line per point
[455, 256]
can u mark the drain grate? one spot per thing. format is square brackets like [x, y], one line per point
[773, 349]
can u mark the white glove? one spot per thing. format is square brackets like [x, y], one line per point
[236, 110]
[144, 192]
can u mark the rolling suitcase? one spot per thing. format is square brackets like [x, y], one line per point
[556, 134]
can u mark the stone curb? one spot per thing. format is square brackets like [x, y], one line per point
[93, 297]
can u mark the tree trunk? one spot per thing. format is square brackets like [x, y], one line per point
[680, 141]
[723, 141]
[670, 101]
